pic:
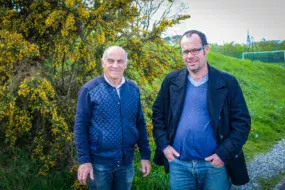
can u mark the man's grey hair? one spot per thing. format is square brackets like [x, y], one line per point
[107, 50]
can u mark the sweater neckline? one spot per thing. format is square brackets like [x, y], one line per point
[200, 82]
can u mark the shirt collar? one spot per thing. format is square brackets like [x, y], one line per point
[122, 82]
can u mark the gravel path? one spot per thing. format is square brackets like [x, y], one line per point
[266, 165]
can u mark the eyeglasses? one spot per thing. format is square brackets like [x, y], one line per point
[193, 51]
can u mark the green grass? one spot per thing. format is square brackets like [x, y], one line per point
[19, 172]
[271, 182]
[157, 179]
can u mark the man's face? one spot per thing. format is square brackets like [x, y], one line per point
[194, 54]
[114, 63]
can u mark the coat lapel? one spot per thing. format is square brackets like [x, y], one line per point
[217, 93]
[177, 95]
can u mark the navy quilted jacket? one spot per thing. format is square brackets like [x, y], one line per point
[108, 127]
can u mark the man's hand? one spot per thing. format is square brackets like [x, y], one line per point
[215, 160]
[169, 152]
[146, 166]
[83, 171]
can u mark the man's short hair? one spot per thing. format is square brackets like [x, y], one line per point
[106, 51]
[189, 33]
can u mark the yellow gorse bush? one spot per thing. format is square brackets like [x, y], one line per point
[52, 136]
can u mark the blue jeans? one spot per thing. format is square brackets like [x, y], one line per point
[112, 177]
[197, 174]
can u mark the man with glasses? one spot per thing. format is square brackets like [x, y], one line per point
[201, 122]
[109, 122]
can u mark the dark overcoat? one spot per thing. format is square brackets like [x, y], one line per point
[229, 117]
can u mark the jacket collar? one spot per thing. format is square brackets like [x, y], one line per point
[217, 92]
[180, 79]
[216, 80]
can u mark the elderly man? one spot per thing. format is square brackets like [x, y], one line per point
[109, 122]
[201, 122]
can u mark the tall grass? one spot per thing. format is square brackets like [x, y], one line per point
[19, 172]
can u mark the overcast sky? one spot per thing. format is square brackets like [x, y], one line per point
[228, 20]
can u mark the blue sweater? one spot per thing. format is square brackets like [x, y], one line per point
[108, 127]
[195, 139]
